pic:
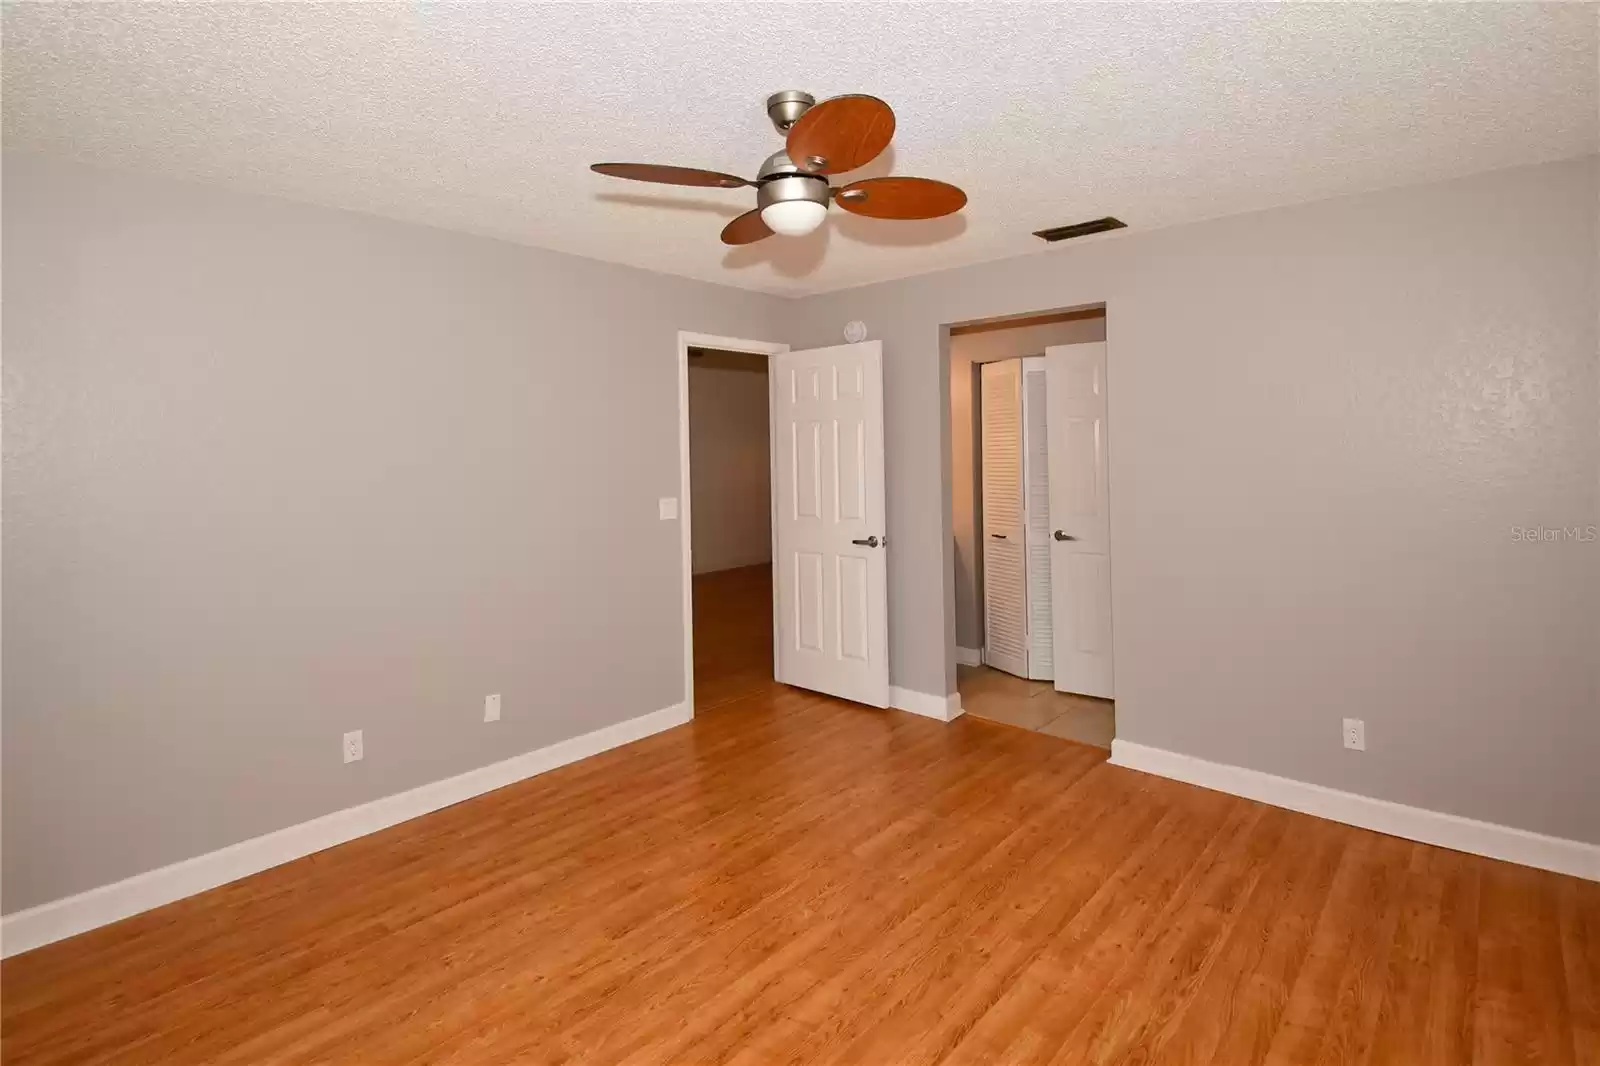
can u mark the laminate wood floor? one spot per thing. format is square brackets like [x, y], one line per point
[732, 635]
[795, 879]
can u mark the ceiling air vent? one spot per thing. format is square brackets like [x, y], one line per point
[1080, 229]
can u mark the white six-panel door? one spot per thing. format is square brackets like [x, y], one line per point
[831, 586]
[1080, 567]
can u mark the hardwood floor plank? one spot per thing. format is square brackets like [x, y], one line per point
[1053, 993]
[1353, 1015]
[1520, 1010]
[932, 954]
[1579, 904]
[871, 925]
[1347, 932]
[1433, 966]
[728, 872]
[1168, 959]
[1237, 1002]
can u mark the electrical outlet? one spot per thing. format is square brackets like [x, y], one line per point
[1355, 734]
[491, 708]
[352, 746]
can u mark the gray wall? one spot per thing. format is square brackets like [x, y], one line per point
[729, 461]
[967, 353]
[273, 472]
[1325, 422]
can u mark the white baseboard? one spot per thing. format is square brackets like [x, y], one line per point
[969, 656]
[62, 918]
[942, 708]
[1413, 823]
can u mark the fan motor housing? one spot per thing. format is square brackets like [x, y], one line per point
[777, 165]
[799, 186]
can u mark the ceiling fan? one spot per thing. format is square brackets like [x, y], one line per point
[792, 189]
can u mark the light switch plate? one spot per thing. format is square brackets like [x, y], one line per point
[669, 508]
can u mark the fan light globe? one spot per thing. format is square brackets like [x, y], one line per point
[794, 218]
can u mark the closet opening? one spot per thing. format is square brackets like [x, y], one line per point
[1029, 509]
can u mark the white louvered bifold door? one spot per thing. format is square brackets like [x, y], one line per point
[1005, 585]
[832, 606]
[1036, 506]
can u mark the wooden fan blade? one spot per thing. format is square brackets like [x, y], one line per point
[903, 198]
[670, 175]
[746, 229]
[841, 134]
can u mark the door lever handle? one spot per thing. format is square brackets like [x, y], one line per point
[999, 536]
[870, 542]
[1062, 536]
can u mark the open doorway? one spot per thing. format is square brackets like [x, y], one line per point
[823, 624]
[1016, 567]
[730, 499]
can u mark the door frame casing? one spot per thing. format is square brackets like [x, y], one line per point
[687, 340]
[980, 319]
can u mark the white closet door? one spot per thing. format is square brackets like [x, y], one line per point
[1005, 591]
[1036, 506]
[1079, 496]
[832, 605]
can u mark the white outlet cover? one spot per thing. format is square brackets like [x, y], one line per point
[352, 746]
[491, 708]
[669, 508]
[1355, 734]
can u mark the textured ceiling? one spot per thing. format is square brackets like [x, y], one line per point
[483, 117]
